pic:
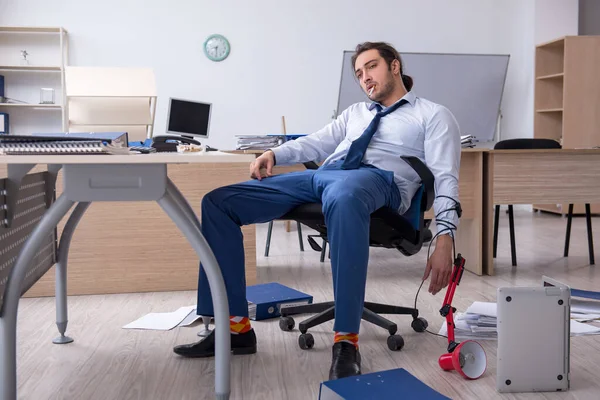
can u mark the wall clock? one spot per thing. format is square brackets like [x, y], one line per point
[216, 47]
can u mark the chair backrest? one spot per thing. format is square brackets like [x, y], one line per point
[416, 211]
[527, 144]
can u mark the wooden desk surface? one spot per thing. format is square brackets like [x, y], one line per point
[551, 176]
[155, 158]
[545, 176]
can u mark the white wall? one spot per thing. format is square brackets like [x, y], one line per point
[555, 18]
[286, 56]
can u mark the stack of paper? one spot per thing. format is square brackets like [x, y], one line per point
[468, 141]
[479, 322]
[259, 142]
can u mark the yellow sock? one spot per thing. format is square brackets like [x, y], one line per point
[239, 325]
[347, 337]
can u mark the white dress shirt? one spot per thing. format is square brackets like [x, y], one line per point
[419, 128]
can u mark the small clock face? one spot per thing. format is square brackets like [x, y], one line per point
[216, 48]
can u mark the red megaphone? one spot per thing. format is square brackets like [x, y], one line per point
[468, 358]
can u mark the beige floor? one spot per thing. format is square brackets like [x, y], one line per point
[107, 362]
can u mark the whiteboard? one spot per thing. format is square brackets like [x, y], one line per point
[469, 85]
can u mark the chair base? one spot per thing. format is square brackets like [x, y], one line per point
[326, 312]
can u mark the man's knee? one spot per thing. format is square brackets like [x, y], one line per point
[216, 197]
[346, 199]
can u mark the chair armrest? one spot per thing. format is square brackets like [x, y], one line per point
[426, 176]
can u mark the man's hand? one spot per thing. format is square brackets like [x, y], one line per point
[266, 160]
[440, 264]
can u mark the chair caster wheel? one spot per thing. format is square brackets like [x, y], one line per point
[306, 341]
[395, 342]
[286, 324]
[419, 324]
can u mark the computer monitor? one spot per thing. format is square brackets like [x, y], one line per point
[188, 117]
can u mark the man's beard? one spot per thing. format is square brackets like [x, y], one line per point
[386, 89]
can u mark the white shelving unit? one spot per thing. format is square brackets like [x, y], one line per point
[48, 51]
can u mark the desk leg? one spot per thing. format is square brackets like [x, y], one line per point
[8, 320]
[61, 272]
[182, 203]
[174, 209]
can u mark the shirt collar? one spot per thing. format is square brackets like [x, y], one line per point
[410, 97]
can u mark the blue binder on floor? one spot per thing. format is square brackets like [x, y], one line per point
[391, 384]
[265, 300]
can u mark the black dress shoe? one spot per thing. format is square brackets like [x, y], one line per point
[243, 343]
[345, 361]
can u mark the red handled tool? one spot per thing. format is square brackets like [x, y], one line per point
[468, 357]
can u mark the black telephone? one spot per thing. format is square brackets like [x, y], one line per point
[165, 143]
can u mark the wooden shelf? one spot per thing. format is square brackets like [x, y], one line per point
[19, 105]
[549, 110]
[553, 43]
[32, 29]
[566, 91]
[51, 42]
[29, 68]
[552, 76]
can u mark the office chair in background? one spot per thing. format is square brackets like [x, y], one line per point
[388, 229]
[528, 144]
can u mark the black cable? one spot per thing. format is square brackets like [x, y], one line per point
[447, 227]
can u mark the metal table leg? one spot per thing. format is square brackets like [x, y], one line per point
[171, 203]
[8, 320]
[61, 272]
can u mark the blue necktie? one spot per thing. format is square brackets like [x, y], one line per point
[357, 149]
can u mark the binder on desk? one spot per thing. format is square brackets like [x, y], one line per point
[35, 145]
[391, 384]
[265, 300]
[116, 138]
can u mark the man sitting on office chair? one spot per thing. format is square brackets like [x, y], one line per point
[362, 172]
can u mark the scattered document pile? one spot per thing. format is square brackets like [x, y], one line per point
[479, 321]
[258, 142]
[468, 141]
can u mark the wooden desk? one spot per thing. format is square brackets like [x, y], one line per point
[143, 251]
[536, 177]
[101, 178]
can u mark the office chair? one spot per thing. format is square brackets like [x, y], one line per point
[270, 231]
[388, 229]
[528, 144]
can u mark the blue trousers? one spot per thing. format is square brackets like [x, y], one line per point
[348, 198]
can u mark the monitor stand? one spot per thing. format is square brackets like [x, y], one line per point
[190, 140]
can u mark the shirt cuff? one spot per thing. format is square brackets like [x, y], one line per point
[282, 155]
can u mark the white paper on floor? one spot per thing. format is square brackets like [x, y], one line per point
[162, 321]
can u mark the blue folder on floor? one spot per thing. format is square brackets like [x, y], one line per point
[391, 384]
[265, 300]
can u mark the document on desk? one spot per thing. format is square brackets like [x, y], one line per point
[162, 321]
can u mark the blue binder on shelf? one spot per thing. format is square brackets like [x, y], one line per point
[1, 85]
[265, 300]
[391, 384]
[4, 123]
